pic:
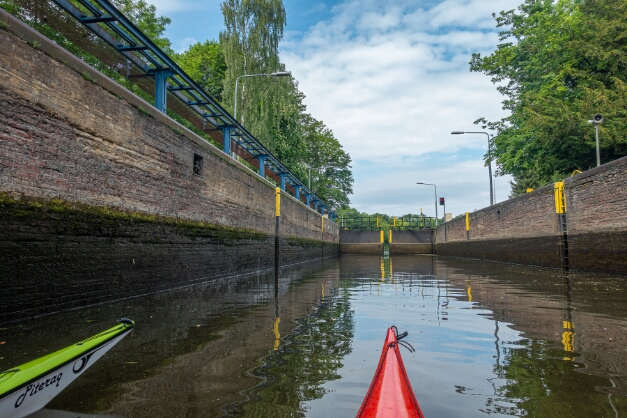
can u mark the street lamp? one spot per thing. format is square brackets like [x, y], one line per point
[435, 190]
[275, 74]
[595, 121]
[489, 161]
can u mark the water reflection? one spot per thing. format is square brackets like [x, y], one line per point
[490, 339]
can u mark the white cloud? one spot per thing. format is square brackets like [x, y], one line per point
[391, 79]
[181, 45]
[169, 6]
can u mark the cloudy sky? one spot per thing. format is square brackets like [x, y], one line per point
[391, 79]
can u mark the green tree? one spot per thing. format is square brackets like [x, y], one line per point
[250, 41]
[205, 63]
[558, 64]
[272, 108]
[144, 16]
[327, 164]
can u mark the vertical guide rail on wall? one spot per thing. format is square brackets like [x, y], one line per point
[322, 237]
[468, 231]
[560, 209]
[277, 222]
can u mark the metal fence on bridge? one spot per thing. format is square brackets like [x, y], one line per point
[413, 223]
[375, 223]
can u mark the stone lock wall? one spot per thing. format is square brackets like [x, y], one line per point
[411, 242]
[596, 212]
[360, 242]
[98, 199]
[526, 229]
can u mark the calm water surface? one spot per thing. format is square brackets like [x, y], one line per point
[490, 339]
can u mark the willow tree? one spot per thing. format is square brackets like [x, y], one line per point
[272, 108]
[250, 42]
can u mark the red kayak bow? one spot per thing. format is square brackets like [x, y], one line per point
[390, 393]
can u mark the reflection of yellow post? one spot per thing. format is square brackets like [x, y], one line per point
[277, 335]
[382, 268]
[391, 270]
[322, 290]
[469, 293]
[568, 338]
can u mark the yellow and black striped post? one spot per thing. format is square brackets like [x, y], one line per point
[277, 222]
[467, 225]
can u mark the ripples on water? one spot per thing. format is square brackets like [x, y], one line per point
[490, 339]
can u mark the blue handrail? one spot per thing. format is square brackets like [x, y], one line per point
[139, 50]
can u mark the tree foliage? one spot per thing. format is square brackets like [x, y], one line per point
[272, 108]
[205, 63]
[558, 64]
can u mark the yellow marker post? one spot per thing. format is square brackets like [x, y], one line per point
[467, 221]
[390, 236]
[323, 224]
[381, 237]
[278, 202]
[395, 221]
[560, 201]
[529, 190]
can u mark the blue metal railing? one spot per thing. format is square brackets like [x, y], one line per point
[112, 26]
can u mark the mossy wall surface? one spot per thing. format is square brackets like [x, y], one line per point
[99, 200]
[56, 256]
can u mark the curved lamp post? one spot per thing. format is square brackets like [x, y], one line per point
[489, 162]
[275, 74]
[435, 191]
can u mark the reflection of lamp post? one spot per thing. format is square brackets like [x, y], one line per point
[489, 161]
[275, 74]
[436, 200]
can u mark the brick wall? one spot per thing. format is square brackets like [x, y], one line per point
[522, 230]
[526, 229]
[596, 211]
[69, 133]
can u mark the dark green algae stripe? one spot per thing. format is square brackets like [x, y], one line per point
[13, 379]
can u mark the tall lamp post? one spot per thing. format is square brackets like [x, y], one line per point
[598, 118]
[435, 191]
[275, 74]
[489, 162]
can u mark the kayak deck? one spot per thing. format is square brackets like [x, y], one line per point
[27, 388]
[390, 393]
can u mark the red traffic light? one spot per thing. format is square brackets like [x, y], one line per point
[441, 201]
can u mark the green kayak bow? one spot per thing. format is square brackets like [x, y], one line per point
[27, 388]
